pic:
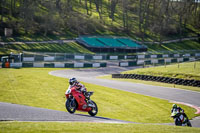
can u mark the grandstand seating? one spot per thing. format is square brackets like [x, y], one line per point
[91, 41]
[110, 44]
[128, 42]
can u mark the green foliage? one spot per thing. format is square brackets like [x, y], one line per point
[35, 87]
[65, 127]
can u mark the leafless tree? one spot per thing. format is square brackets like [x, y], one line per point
[113, 4]
[98, 4]
[86, 6]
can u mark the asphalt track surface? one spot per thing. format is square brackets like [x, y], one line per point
[14, 112]
[89, 76]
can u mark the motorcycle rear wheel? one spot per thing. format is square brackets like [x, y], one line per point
[94, 110]
[71, 105]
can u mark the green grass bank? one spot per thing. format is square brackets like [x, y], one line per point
[176, 47]
[71, 47]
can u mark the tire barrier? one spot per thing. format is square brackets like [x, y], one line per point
[177, 81]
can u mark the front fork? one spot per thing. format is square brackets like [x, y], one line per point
[90, 104]
[72, 99]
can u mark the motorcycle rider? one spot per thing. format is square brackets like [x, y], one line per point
[178, 109]
[80, 87]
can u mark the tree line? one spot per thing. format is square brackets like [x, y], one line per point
[142, 18]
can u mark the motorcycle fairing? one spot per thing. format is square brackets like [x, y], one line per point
[80, 98]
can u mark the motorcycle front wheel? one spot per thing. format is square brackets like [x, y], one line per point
[177, 122]
[189, 123]
[94, 109]
[71, 105]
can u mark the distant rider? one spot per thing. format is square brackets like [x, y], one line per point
[178, 109]
[80, 87]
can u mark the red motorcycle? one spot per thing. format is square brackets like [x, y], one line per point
[77, 101]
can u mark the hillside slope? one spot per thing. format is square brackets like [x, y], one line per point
[146, 20]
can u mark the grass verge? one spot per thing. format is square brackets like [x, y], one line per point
[60, 127]
[35, 87]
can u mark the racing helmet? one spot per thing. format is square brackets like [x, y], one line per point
[174, 106]
[72, 81]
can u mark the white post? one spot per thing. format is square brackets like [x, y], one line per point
[20, 57]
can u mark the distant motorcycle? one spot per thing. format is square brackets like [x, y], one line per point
[77, 101]
[180, 119]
